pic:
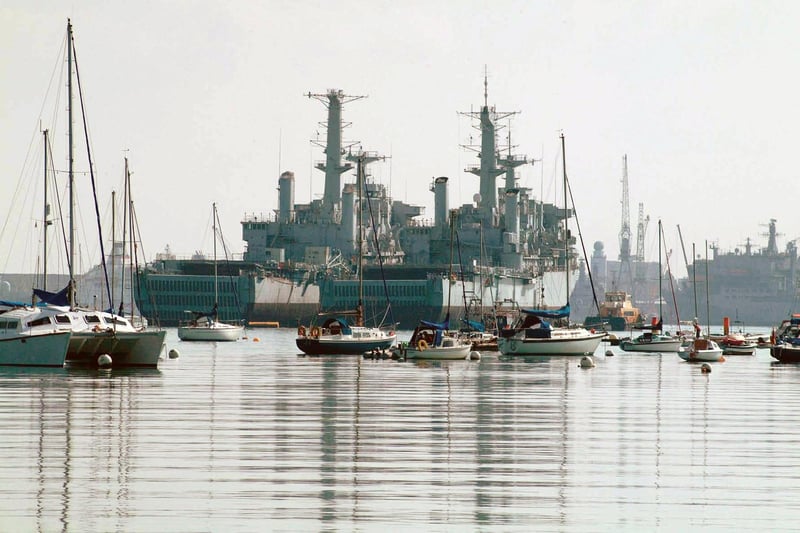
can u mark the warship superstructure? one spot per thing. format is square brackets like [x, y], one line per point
[756, 286]
[300, 259]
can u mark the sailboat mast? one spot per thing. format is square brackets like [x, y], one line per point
[708, 303]
[566, 231]
[360, 179]
[45, 220]
[453, 215]
[113, 242]
[214, 231]
[71, 180]
[660, 316]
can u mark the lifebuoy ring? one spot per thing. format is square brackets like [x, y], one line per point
[301, 331]
[315, 331]
[422, 345]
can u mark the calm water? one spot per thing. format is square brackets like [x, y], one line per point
[251, 436]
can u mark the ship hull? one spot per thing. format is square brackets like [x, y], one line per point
[127, 349]
[164, 298]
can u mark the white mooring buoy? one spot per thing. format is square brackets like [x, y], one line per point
[609, 353]
[104, 360]
[474, 355]
[587, 362]
[174, 354]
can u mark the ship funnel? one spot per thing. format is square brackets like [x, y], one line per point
[286, 197]
[512, 212]
[348, 217]
[441, 202]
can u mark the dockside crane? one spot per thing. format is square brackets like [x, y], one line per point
[624, 279]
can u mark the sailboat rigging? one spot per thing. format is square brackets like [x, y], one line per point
[434, 340]
[532, 334]
[336, 335]
[94, 333]
[654, 340]
[205, 326]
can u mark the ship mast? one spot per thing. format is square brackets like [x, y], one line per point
[333, 167]
[488, 170]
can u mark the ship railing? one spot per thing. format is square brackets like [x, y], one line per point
[259, 217]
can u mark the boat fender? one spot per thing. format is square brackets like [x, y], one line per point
[301, 331]
[422, 345]
[315, 332]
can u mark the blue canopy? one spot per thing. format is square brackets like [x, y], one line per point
[548, 313]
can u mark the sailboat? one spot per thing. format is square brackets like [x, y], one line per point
[654, 340]
[336, 335]
[703, 349]
[205, 326]
[94, 333]
[531, 334]
[24, 339]
[434, 340]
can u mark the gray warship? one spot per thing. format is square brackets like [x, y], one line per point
[300, 259]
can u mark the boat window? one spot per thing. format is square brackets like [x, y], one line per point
[118, 321]
[63, 319]
[8, 324]
[43, 321]
[92, 319]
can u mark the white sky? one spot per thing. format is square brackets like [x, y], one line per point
[207, 96]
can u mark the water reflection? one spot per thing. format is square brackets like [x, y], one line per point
[250, 436]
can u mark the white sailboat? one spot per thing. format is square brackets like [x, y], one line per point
[205, 326]
[93, 333]
[654, 340]
[533, 335]
[434, 340]
[703, 349]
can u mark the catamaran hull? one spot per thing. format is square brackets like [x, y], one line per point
[126, 349]
[48, 349]
[322, 346]
[552, 346]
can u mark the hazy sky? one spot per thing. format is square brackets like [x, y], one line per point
[208, 99]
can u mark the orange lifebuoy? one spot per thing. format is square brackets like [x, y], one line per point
[422, 345]
[301, 331]
[315, 332]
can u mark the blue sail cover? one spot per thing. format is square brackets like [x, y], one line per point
[548, 313]
[53, 298]
[345, 326]
[474, 326]
[437, 325]
[7, 303]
